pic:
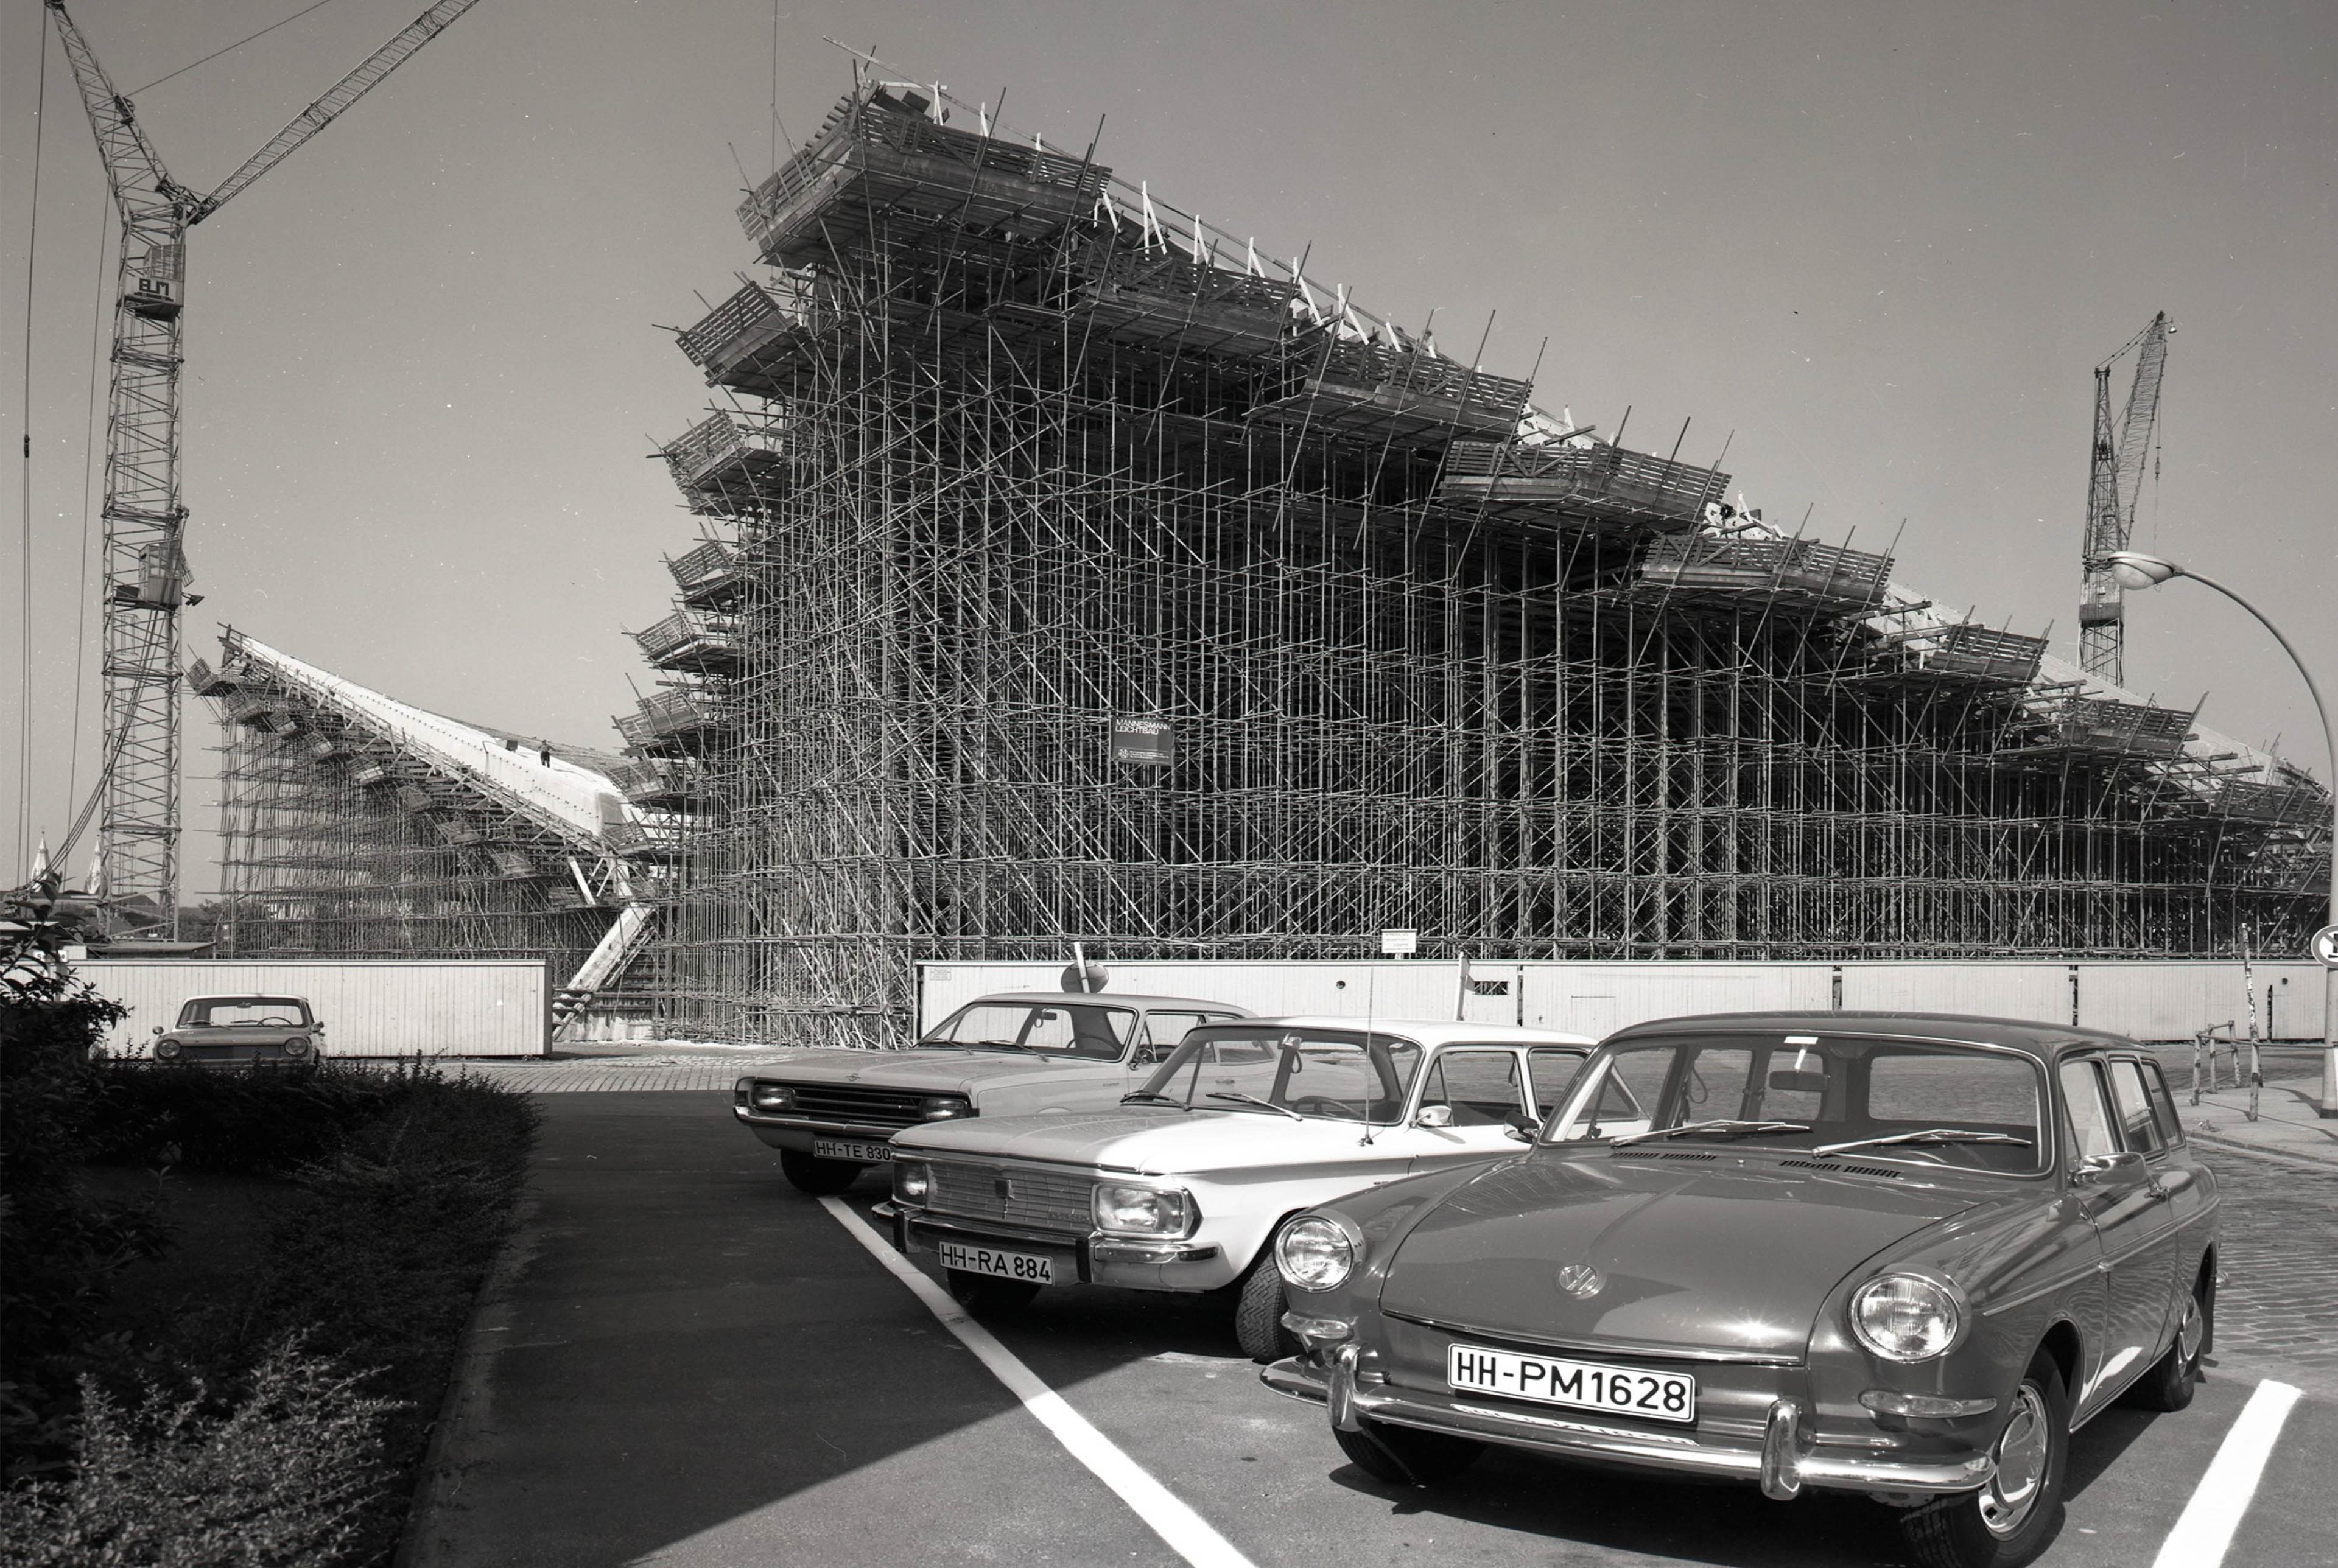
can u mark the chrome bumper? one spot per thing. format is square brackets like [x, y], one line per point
[1782, 1466]
[919, 1230]
[859, 1131]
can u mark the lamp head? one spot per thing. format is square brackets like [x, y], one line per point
[2133, 569]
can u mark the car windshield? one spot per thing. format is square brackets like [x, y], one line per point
[1840, 1097]
[233, 1011]
[1343, 1074]
[1076, 1029]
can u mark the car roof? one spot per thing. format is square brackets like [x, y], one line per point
[1111, 998]
[2030, 1036]
[1433, 1030]
[251, 996]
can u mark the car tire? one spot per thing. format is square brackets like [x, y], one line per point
[984, 1296]
[1257, 1312]
[1406, 1456]
[2169, 1385]
[1999, 1526]
[821, 1178]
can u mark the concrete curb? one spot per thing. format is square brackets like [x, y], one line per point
[2279, 1157]
[466, 1409]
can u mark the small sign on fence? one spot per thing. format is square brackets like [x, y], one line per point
[1146, 742]
[1399, 944]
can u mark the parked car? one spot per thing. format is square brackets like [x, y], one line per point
[257, 1032]
[1245, 1124]
[1886, 1253]
[832, 1113]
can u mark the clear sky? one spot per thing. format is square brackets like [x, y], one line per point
[1876, 248]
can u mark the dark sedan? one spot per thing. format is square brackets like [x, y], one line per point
[1895, 1254]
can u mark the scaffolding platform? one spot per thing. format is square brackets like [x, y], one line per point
[1740, 571]
[726, 464]
[1601, 486]
[754, 342]
[881, 161]
[1142, 296]
[2098, 727]
[676, 719]
[1406, 396]
[666, 782]
[708, 577]
[699, 641]
[1963, 654]
[2274, 805]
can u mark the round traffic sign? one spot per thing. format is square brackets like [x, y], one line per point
[2324, 945]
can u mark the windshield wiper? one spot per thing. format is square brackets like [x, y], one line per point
[1726, 1126]
[1255, 1100]
[1927, 1135]
[970, 1045]
[1149, 1094]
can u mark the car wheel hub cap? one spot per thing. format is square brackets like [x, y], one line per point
[2022, 1454]
[2189, 1338]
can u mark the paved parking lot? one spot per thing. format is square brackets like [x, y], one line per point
[694, 1365]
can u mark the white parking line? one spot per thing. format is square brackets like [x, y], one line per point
[1187, 1532]
[2204, 1533]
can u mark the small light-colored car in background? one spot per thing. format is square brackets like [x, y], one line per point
[1244, 1125]
[257, 1032]
[831, 1114]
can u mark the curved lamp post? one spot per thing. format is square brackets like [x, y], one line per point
[2133, 569]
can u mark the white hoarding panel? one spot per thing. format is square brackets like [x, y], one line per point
[1986, 989]
[387, 1007]
[1596, 999]
[2173, 1001]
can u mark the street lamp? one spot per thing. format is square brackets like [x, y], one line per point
[2135, 570]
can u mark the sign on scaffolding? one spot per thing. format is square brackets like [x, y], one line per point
[1146, 742]
[1399, 944]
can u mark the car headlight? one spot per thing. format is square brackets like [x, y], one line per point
[1133, 1210]
[772, 1097]
[912, 1181]
[945, 1107]
[167, 1050]
[296, 1046]
[1904, 1318]
[1314, 1254]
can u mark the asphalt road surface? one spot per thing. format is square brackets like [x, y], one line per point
[694, 1365]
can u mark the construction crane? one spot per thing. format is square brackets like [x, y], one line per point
[2113, 482]
[146, 578]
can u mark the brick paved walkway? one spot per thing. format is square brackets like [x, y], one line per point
[2279, 1294]
[620, 1074]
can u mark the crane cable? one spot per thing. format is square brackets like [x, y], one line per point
[238, 44]
[89, 465]
[25, 484]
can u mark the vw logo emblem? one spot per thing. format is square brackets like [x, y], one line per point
[1581, 1280]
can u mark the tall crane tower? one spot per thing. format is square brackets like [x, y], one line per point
[146, 577]
[2113, 482]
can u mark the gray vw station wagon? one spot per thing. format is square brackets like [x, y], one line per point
[1893, 1254]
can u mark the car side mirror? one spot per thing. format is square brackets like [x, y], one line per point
[158, 1028]
[2095, 1167]
[1519, 1134]
[1434, 1116]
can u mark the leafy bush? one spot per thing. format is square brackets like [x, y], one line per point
[235, 1123]
[58, 1245]
[282, 1476]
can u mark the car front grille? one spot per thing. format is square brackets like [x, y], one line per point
[1014, 1194]
[850, 1102]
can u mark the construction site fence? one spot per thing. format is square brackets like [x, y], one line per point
[369, 1007]
[2143, 1000]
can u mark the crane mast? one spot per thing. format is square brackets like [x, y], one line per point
[2114, 481]
[145, 560]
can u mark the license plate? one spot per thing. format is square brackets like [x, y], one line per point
[1024, 1266]
[1582, 1385]
[851, 1148]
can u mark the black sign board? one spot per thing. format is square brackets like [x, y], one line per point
[1147, 742]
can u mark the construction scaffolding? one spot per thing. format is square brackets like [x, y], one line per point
[357, 826]
[1071, 574]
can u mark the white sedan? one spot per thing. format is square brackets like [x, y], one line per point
[1246, 1123]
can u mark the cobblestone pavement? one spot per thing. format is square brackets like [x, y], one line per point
[612, 1075]
[2279, 1294]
